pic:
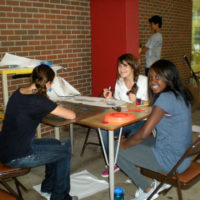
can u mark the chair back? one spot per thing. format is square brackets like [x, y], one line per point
[174, 178]
[193, 150]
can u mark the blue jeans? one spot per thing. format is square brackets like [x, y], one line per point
[127, 130]
[56, 156]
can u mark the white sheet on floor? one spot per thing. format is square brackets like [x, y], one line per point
[83, 184]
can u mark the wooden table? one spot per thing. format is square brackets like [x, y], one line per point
[94, 117]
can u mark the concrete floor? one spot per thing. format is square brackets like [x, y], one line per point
[93, 161]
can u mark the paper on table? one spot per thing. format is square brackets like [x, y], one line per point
[61, 88]
[21, 62]
[94, 101]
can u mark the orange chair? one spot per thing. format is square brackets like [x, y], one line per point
[12, 173]
[175, 179]
[6, 196]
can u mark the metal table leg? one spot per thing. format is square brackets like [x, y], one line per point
[71, 132]
[112, 158]
[5, 90]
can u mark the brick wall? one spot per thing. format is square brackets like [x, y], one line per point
[176, 30]
[59, 31]
[49, 30]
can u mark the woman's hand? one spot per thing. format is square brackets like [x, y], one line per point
[123, 143]
[107, 93]
[132, 97]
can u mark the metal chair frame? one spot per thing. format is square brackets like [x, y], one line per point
[174, 178]
[7, 173]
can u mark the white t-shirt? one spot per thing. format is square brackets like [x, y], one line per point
[154, 45]
[121, 89]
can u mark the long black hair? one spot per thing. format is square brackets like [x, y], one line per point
[168, 73]
[40, 76]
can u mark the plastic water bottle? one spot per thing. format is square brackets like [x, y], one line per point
[118, 193]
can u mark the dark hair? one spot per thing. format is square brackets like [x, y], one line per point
[156, 20]
[133, 62]
[168, 73]
[40, 76]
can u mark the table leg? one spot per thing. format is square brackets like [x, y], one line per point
[71, 132]
[111, 163]
[39, 131]
[112, 158]
[57, 133]
[5, 90]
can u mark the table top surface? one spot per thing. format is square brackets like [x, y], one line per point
[93, 116]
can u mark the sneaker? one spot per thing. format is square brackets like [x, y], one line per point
[155, 183]
[141, 195]
[163, 187]
[106, 172]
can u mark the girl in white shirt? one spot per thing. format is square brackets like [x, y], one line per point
[131, 88]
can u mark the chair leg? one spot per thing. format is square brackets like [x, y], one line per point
[85, 142]
[17, 182]
[20, 197]
[8, 188]
[154, 192]
[179, 189]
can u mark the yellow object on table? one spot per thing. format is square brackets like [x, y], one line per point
[4, 71]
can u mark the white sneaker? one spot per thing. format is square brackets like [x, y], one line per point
[138, 192]
[140, 195]
[163, 187]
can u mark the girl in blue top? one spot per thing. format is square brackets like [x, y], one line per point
[171, 116]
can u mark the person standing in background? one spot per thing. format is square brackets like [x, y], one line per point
[153, 46]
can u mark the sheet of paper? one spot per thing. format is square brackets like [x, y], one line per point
[10, 61]
[83, 184]
[19, 61]
[94, 101]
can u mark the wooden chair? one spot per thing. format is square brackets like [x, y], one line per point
[6, 196]
[183, 180]
[7, 173]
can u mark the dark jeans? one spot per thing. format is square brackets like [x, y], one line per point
[56, 156]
